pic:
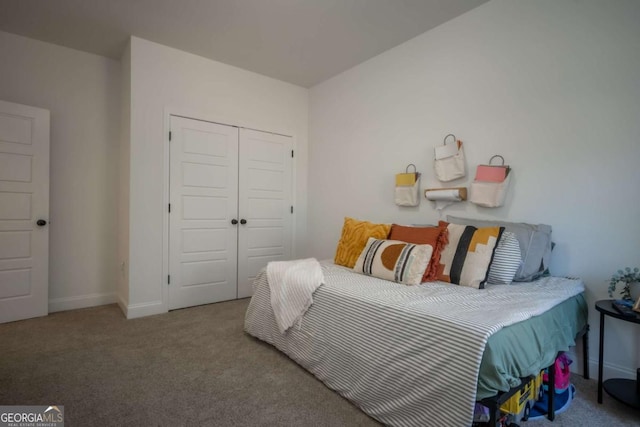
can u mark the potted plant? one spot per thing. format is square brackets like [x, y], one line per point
[626, 276]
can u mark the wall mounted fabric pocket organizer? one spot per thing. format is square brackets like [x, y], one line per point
[489, 188]
[449, 161]
[408, 187]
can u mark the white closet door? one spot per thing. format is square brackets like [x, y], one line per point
[24, 199]
[265, 204]
[204, 201]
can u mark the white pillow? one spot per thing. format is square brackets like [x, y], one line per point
[394, 260]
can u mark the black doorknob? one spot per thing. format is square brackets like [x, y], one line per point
[41, 222]
[234, 221]
[243, 221]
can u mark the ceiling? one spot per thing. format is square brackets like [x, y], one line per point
[303, 42]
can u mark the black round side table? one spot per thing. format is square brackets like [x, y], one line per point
[624, 390]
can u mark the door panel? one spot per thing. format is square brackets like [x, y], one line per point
[15, 167]
[15, 205]
[205, 208]
[265, 188]
[24, 198]
[203, 240]
[15, 283]
[15, 128]
[204, 199]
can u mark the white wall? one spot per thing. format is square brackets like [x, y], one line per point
[553, 86]
[82, 91]
[161, 78]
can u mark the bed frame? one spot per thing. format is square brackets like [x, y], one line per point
[494, 402]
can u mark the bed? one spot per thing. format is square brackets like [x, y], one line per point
[423, 355]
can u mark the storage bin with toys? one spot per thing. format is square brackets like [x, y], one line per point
[531, 401]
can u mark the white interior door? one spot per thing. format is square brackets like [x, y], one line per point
[265, 204]
[24, 199]
[204, 201]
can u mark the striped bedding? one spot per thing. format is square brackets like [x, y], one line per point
[406, 355]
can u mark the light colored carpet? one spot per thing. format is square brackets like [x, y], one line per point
[191, 367]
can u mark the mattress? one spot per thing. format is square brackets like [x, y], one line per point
[405, 355]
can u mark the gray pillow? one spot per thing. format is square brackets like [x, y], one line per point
[534, 240]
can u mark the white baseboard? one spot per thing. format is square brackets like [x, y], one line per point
[609, 370]
[80, 301]
[131, 311]
[145, 309]
[123, 305]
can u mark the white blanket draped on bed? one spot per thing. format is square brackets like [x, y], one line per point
[292, 284]
[406, 355]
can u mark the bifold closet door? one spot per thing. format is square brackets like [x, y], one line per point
[204, 200]
[265, 204]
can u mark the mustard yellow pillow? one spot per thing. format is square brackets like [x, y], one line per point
[355, 235]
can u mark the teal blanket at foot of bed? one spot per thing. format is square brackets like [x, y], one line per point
[508, 357]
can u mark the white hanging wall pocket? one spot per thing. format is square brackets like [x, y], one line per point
[449, 160]
[489, 188]
[408, 187]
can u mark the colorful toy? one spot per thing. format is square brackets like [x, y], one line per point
[561, 403]
[562, 379]
[521, 403]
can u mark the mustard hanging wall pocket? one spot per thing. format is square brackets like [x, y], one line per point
[449, 159]
[408, 187]
[489, 188]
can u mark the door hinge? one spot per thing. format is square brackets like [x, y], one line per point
[169, 135]
[169, 207]
[291, 153]
[291, 209]
[168, 279]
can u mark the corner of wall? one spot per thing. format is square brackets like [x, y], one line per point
[133, 311]
[123, 184]
[80, 301]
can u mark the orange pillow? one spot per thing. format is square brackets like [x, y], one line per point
[437, 237]
[355, 235]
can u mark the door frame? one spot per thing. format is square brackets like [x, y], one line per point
[202, 116]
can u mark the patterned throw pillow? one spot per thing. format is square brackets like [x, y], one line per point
[394, 260]
[535, 244]
[434, 236]
[506, 260]
[354, 238]
[466, 258]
